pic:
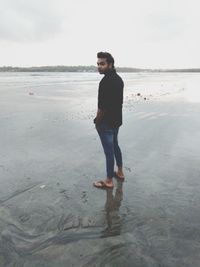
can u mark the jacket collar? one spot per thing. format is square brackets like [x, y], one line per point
[110, 72]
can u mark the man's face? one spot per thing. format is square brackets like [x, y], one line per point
[103, 66]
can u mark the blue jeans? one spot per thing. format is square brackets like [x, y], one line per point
[109, 140]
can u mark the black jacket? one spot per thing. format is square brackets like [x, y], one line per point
[110, 98]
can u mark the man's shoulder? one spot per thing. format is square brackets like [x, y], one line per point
[111, 79]
[119, 79]
[102, 82]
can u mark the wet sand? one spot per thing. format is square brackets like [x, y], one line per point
[51, 215]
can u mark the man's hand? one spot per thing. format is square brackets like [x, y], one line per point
[96, 123]
[97, 126]
[99, 116]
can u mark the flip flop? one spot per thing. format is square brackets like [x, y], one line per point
[101, 184]
[119, 177]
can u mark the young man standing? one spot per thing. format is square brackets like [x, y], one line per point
[109, 117]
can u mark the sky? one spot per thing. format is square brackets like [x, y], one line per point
[141, 34]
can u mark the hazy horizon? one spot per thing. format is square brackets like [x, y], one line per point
[76, 66]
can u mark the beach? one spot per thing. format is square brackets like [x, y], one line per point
[50, 213]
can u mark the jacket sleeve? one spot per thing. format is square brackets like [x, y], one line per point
[101, 97]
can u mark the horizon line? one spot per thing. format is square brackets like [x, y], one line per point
[93, 66]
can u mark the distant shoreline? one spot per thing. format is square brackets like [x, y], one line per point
[87, 69]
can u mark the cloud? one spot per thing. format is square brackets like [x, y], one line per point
[145, 33]
[165, 28]
[28, 21]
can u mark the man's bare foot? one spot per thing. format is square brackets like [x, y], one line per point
[108, 183]
[120, 173]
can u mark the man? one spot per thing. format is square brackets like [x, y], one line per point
[109, 117]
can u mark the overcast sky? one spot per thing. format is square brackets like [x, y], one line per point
[142, 33]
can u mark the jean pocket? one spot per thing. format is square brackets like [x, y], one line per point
[102, 126]
[107, 128]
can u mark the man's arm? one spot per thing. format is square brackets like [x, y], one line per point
[99, 116]
[101, 108]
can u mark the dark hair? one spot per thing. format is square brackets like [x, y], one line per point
[108, 56]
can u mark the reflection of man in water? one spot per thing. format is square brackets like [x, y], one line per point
[109, 117]
[112, 206]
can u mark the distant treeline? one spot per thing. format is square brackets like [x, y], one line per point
[86, 69]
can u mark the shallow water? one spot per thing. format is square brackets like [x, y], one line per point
[50, 215]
